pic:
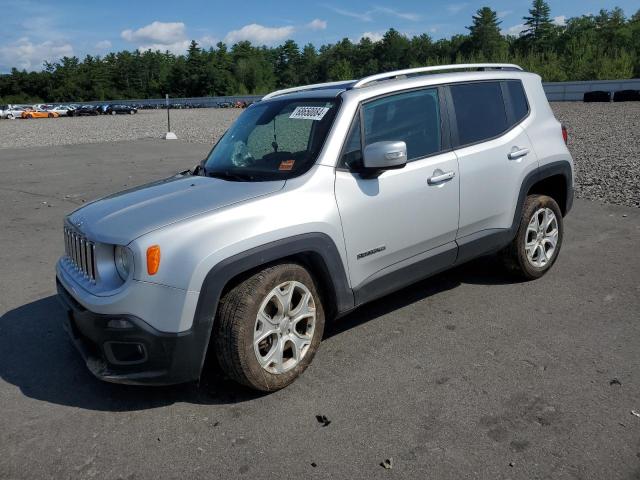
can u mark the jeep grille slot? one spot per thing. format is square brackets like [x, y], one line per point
[81, 252]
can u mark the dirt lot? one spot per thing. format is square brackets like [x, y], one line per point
[466, 375]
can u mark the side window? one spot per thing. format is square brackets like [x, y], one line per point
[412, 117]
[352, 152]
[480, 111]
[518, 99]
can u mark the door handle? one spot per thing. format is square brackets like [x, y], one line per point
[440, 177]
[517, 153]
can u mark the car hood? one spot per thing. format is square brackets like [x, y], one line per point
[125, 216]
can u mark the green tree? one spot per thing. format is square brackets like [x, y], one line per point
[539, 25]
[485, 37]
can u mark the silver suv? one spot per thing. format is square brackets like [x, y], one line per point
[317, 200]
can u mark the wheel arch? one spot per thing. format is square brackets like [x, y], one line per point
[316, 251]
[553, 179]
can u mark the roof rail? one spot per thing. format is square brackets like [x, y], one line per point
[315, 86]
[435, 68]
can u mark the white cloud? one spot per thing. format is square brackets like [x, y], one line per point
[560, 20]
[207, 41]
[156, 32]
[363, 17]
[414, 17]
[175, 47]
[369, 14]
[317, 24]
[456, 8]
[504, 13]
[24, 54]
[259, 34]
[373, 36]
[103, 45]
[515, 30]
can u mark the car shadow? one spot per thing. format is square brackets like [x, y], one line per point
[37, 357]
[487, 270]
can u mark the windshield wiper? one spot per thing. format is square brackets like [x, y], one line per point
[233, 177]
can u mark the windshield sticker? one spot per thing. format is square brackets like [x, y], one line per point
[309, 113]
[286, 165]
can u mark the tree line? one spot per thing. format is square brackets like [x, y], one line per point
[589, 47]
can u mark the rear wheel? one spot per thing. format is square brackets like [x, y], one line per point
[131, 112]
[536, 246]
[113, 112]
[269, 327]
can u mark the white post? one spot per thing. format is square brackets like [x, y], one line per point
[170, 135]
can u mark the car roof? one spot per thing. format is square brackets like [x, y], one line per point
[401, 79]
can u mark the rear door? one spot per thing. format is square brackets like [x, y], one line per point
[494, 153]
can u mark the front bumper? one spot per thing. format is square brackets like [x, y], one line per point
[138, 355]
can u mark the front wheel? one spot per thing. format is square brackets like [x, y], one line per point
[536, 246]
[269, 327]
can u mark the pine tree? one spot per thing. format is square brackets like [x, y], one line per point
[539, 24]
[484, 35]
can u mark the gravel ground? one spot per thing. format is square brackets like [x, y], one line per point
[603, 138]
[197, 126]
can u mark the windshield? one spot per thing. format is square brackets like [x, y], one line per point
[273, 140]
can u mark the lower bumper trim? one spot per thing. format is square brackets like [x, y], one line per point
[169, 358]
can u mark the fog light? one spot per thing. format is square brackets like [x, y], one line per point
[125, 353]
[119, 323]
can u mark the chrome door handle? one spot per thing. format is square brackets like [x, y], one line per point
[440, 177]
[517, 153]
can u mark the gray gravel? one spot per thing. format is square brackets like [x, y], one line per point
[603, 138]
[195, 126]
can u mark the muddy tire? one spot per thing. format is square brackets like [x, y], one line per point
[537, 244]
[269, 327]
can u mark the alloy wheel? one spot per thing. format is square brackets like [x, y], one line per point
[284, 327]
[541, 238]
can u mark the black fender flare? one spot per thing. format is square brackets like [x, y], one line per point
[561, 167]
[318, 244]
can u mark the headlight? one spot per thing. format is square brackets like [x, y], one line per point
[123, 258]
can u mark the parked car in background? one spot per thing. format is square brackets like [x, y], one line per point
[85, 110]
[62, 110]
[102, 109]
[39, 114]
[115, 109]
[12, 112]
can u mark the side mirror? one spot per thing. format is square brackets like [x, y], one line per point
[385, 155]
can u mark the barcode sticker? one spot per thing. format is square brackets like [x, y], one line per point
[309, 113]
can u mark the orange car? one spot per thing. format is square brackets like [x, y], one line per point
[39, 114]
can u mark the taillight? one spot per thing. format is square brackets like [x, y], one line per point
[565, 134]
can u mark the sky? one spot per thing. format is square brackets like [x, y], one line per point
[36, 31]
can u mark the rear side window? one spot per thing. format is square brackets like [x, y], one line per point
[480, 111]
[412, 117]
[517, 100]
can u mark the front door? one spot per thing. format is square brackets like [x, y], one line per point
[400, 218]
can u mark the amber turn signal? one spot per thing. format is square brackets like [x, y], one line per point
[153, 259]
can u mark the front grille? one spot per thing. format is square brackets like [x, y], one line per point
[81, 252]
